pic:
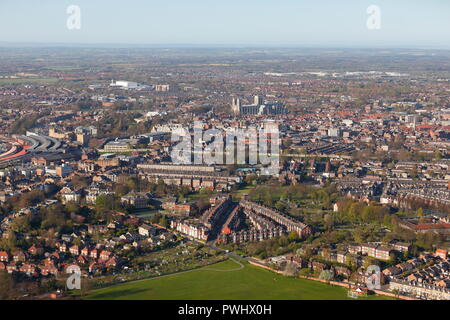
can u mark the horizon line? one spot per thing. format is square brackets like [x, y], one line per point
[28, 44]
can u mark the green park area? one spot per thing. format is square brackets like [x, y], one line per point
[225, 280]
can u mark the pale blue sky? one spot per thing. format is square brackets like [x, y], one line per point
[404, 23]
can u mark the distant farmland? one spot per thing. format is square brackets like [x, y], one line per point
[224, 280]
[20, 81]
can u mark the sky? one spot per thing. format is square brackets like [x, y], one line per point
[313, 23]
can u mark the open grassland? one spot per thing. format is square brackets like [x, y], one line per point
[225, 280]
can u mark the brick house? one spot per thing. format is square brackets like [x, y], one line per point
[392, 271]
[35, 250]
[94, 254]
[111, 263]
[94, 267]
[341, 257]
[401, 246]
[405, 266]
[137, 201]
[62, 247]
[146, 230]
[85, 252]
[104, 255]
[369, 249]
[82, 259]
[55, 256]
[19, 256]
[49, 269]
[354, 248]
[11, 268]
[74, 250]
[342, 271]
[441, 253]
[29, 269]
[4, 257]
[382, 252]
[175, 208]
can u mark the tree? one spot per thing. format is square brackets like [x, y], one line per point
[350, 261]
[406, 255]
[79, 182]
[121, 189]
[202, 205]
[293, 236]
[86, 286]
[328, 220]
[21, 224]
[280, 206]
[10, 242]
[163, 221]
[396, 292]
[438, 155]
[393, 258]
[369, 261]
[104, 203]
[419, 212]
[355, 210]
[6, 285]
[305, 252]
[305, 272]
[72, 207]
[291, 270]
[133, 183]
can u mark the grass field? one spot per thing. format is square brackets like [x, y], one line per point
[237, 195]
[145, 213]
[37, 81]
[225, 280]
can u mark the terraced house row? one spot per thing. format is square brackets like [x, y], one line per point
[225, 223]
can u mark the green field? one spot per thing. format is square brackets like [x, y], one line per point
[37, 81]
[145, 213]
[237, 195]
[225, 280]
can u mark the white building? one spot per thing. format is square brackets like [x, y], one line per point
[128, 85]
